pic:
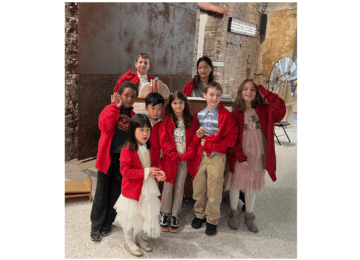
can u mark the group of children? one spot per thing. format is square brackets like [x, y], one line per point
[151, 149]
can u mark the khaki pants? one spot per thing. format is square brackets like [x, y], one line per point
[208, 187]
[172, 195]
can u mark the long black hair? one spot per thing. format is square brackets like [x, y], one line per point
[197, 76]
[138, 120]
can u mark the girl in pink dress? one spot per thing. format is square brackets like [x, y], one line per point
[255, 110]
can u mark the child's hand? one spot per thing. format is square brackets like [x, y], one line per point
[203, 142]
[116, 99]
[161, 176]
[244, 164]
[154, 172]
[256, 83]
[200, 132]
[161, 154]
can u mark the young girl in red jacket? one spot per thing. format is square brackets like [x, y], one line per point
[195, 87]
[255, 110]
[113, 123]
[138, 206]
[176, 134]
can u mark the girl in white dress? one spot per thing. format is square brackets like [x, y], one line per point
[138, 207]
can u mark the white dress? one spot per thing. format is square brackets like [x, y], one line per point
[142, 215]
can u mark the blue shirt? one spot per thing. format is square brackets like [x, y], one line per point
[209, 120]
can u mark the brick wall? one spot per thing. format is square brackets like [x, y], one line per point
[71, 80]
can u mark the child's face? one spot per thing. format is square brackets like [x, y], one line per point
[142, 65]
[249, 92]
[127, 97]
[142, 134]
[204, 70]
[154, 112]
[178, 105]
[213, 98]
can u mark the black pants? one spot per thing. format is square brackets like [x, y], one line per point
[108, 190]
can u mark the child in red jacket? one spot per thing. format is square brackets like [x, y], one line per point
[176, 135]
[220, 131]
[255, 110]
[140, 77]
[113, 123]
[195, 87]
[138, 206]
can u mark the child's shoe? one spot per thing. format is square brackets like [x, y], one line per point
[144, 245]
[105, 231]
[164, 222]
[197, 222]
[250, 222]
[174, 226]
[234, 219]
[95, 234]
[210, 229]
[133, 249]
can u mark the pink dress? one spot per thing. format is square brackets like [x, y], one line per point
[250, 178]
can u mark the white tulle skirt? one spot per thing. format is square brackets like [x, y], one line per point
[142, 215]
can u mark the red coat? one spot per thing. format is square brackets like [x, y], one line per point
[130, 76]
[189, 87]
[154, 137]
[133, 172]
[171, 157]
[225, 137]
[107, 124]
[268, 115]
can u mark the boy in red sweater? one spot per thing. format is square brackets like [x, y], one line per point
[217, 132]
[140, 77]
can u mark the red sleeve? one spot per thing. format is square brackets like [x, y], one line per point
[167, 142]
[276, 104]
[127, 165]
[195, 141]
[188, 88]
[128, 76]
[109, 118]
[236, 152]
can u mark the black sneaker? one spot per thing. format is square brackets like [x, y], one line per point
[197, 222]
[164, 221]
[95, 234]
[105, 231]
[174, 227]
[210, 229]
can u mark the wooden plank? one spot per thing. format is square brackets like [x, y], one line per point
[77, 187]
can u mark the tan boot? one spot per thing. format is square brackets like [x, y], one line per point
[250, 222]
[234, 219]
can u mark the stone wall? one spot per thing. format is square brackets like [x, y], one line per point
[71, 80]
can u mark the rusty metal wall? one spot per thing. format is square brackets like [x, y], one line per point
[110, 37]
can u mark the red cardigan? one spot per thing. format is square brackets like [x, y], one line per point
[225, 137]
[188, 88]
[107, 124]
[171, 157]
[130, 76]
[133, 172]
[268, 115]
[154, 137]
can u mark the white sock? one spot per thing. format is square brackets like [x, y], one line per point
[129, 237]
[250, 202]
[234, 198]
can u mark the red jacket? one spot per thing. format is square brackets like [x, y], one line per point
[107, 124]
[188, 88]
[225, 137]
[268, 115]
[133, 172]
[171, 157]
[130, 76]
[154, 137]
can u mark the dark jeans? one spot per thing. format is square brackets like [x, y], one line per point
[108, 190]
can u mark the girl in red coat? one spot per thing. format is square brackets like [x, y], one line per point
[138, 206]
[195, 87]
[113, 123]
[255, 110]
[176, 134]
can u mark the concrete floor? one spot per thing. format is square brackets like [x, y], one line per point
[275, 210]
